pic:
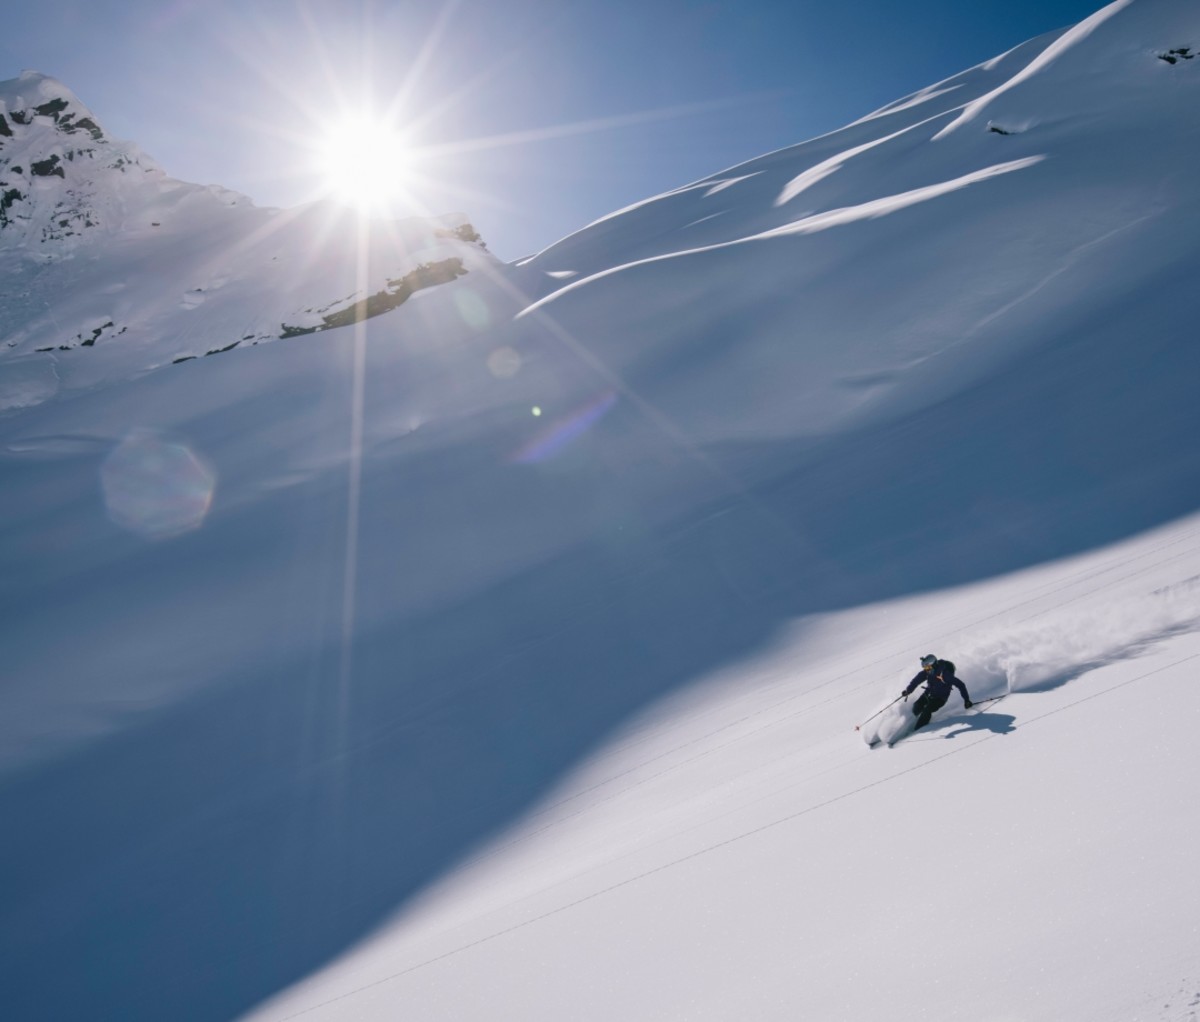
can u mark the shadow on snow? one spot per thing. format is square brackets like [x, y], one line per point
[195, 865]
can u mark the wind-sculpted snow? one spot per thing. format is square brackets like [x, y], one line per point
[1051, 53]
[894, 203]
[871, 210]
[819, 171]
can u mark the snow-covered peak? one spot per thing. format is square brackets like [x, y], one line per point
[109, 253]
[63, 180]
[33, 91]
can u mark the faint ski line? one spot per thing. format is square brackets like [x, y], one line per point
[615, 887]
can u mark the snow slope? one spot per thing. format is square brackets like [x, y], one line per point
[737, 854]
[499, 656]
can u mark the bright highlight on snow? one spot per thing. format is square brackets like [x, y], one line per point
[365, 161]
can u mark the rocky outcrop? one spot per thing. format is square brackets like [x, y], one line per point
[394, 295]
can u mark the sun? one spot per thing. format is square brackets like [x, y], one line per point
[366, 162]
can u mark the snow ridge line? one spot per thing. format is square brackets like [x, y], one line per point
[871, 209]
[719, 845]
[1050, 54]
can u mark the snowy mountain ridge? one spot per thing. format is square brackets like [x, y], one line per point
[83, 219]
[46, 133]
[500, 656]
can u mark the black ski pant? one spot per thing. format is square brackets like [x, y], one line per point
[926, 706]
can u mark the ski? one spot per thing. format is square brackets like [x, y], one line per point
[974, 704]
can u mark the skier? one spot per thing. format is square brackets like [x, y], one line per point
[938, 676]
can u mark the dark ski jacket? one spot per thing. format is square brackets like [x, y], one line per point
[938, 682]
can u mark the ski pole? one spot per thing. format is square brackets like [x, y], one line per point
[874, 715]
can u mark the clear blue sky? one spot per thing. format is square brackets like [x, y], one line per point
[224, 92]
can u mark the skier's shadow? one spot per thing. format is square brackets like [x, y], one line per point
[997, 723]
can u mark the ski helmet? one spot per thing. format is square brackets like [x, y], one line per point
[928, 660]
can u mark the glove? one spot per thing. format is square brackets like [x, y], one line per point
[967, 703]
[905, 694]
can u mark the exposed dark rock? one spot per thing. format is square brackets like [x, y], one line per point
[47, 167]
[182, 358]
[5, 130]
[20, 116]
[998, 130]
[398, 291]
[88, 342]
[7, 198]
[1177, 54]
[217, 351]
[466, 232]
[90, 126]
[52, 108]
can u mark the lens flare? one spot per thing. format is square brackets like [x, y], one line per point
[504, 363]
[561, 433]
[155, 487]
[472, 308]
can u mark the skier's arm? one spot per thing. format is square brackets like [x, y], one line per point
[962, 691]
[913, 684]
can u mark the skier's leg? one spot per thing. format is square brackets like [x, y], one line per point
[925, 708]
[921, 711]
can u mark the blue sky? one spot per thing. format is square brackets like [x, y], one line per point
[546, 114]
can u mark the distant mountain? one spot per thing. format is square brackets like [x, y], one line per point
[108, 252]
[47, 134]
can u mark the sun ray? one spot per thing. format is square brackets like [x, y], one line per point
[424, 56]
[596, 124]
